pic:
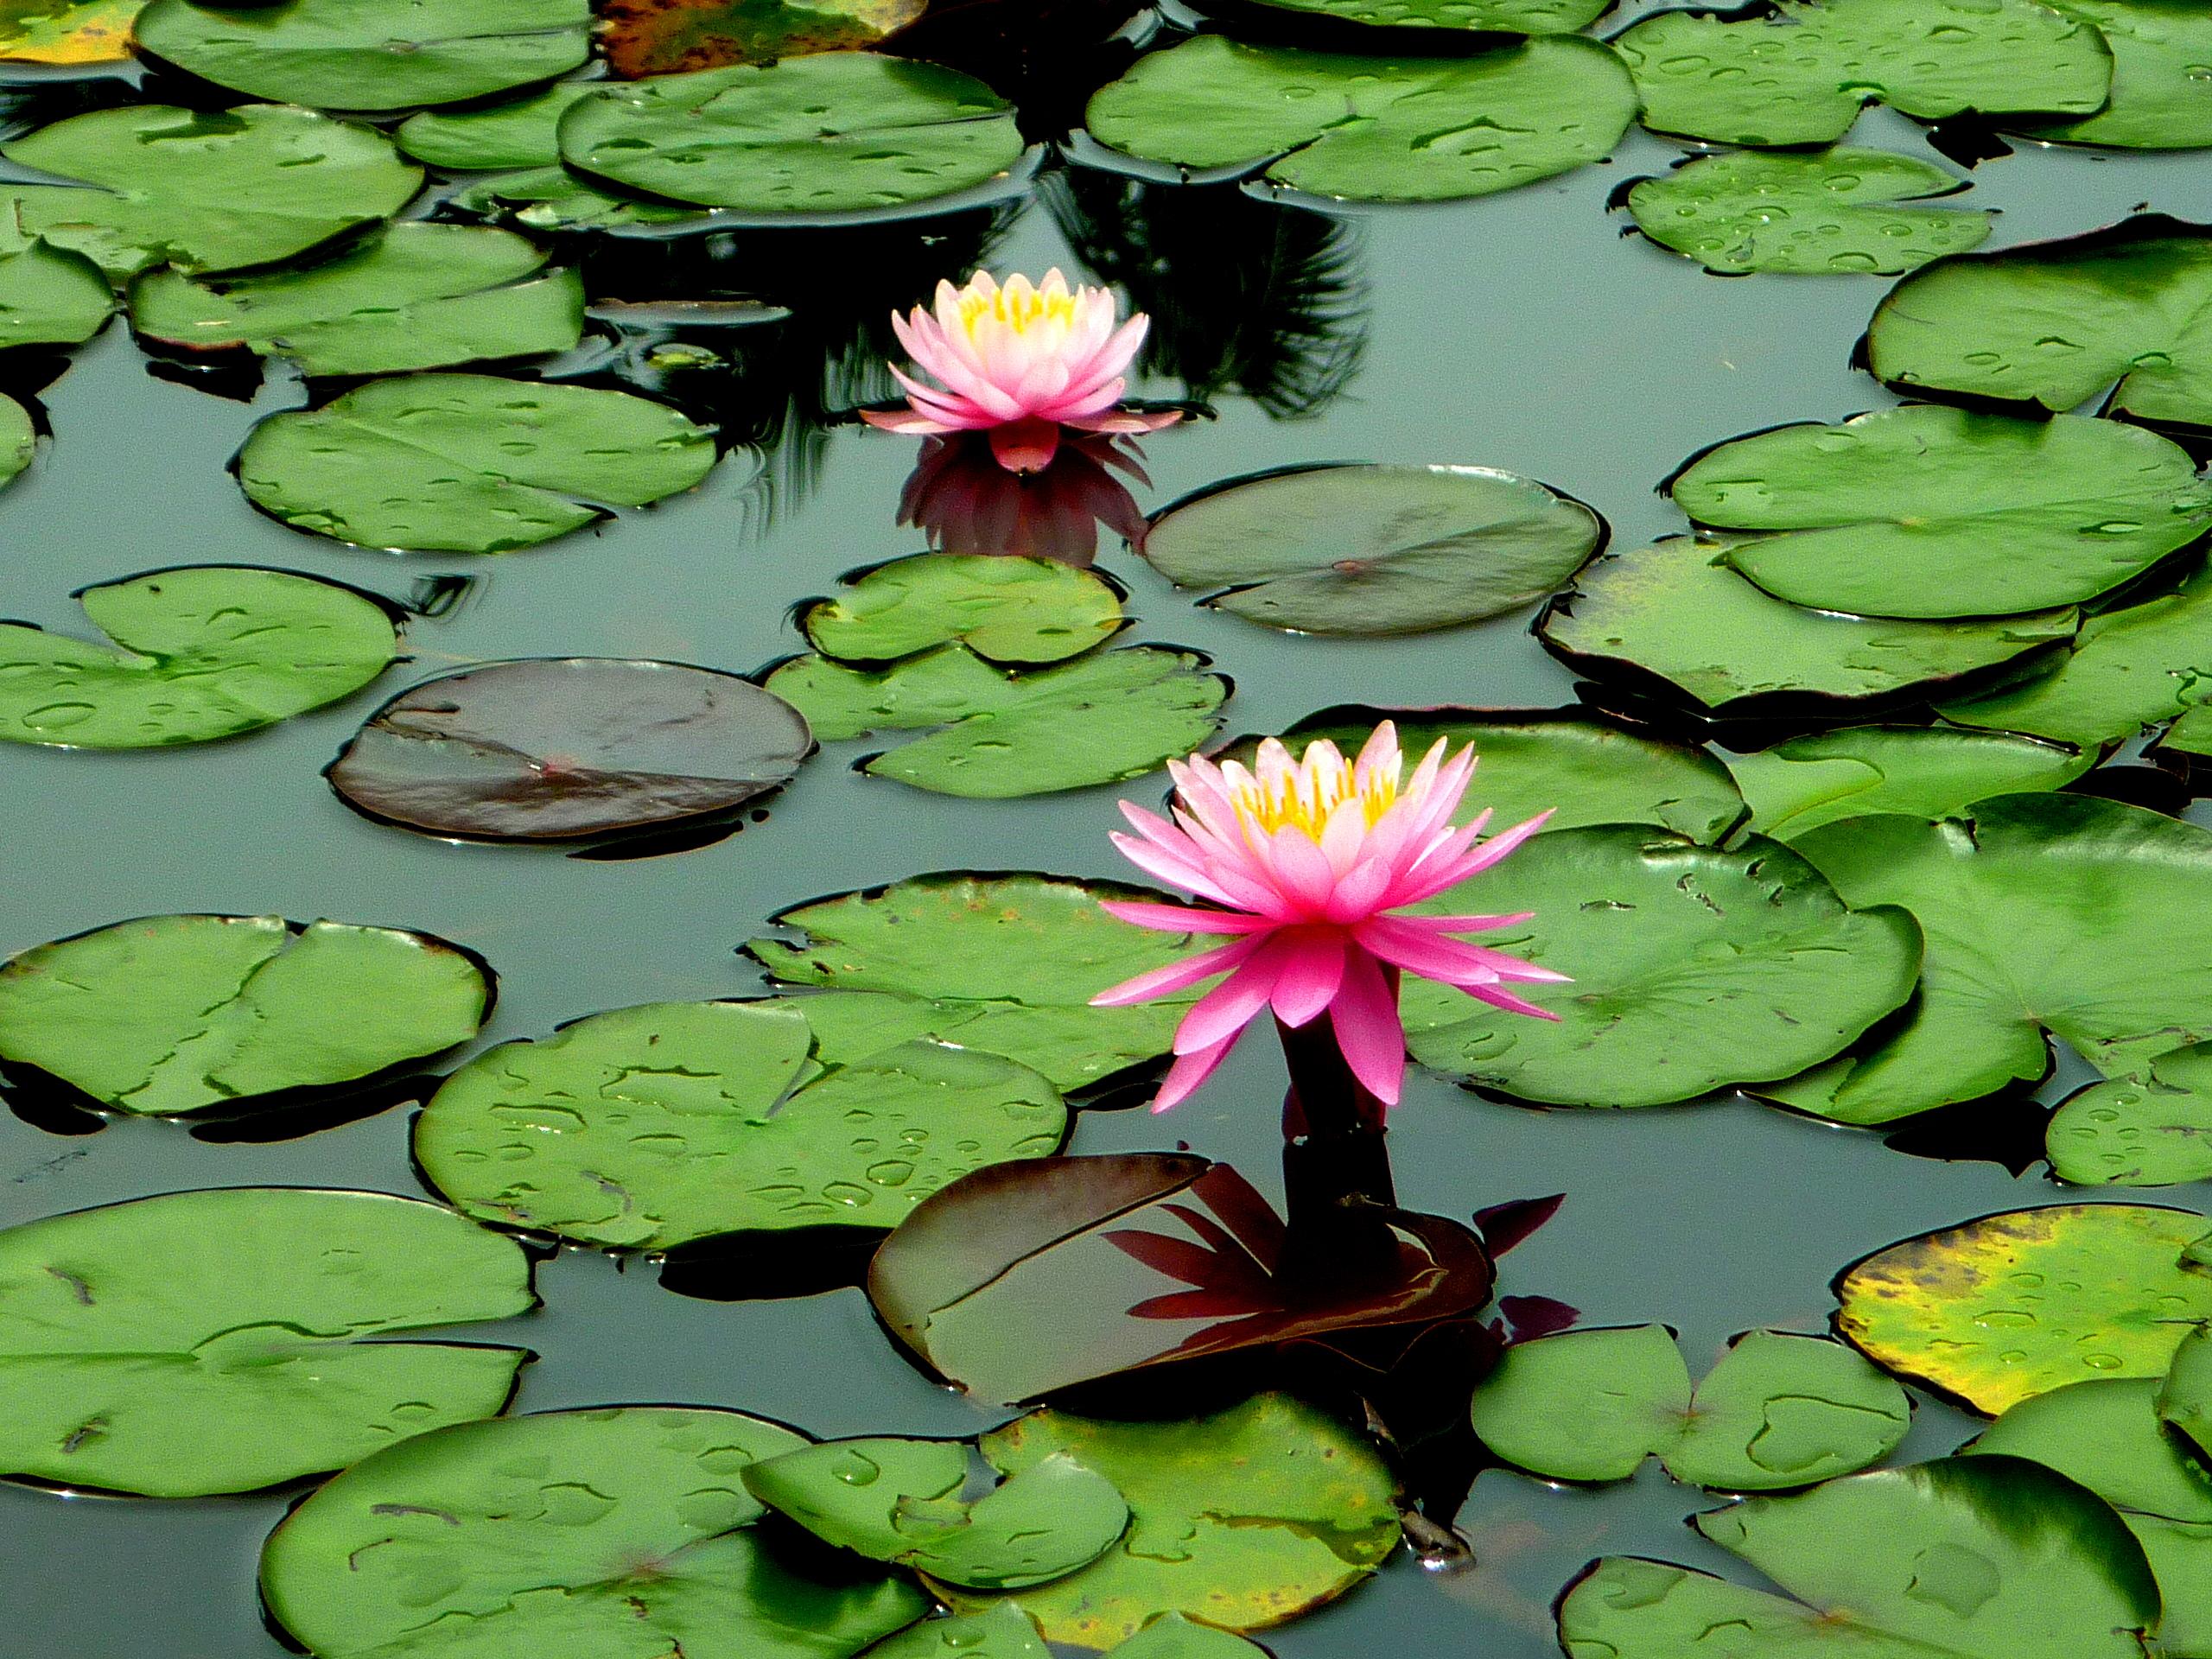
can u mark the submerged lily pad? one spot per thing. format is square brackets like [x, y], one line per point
[1927, 511]
[203, 190]
[1778, 1411]
[366, 54]
[1005, 610]
[833, 132]
[48, 295]
[2161, 97]
[1799, 73]
[1239, 1519]
[1924, 772]
[468, 463]
[2151, 1130]
[555, 748]
[1809, 215]
[1694, 968]
[662, 37]
[521, 131]
[2058, 323]
[418, 296]
[1966, 1558]
[620, 1533]
[1677, 611]
[650, 1127]
[2048, 913]
[71, 32]
[176, 1013]
[1365, 549]
[1371, 129]
[2018, 1304]
[1005, 963]
[1100, 719]
[201, 652]
[220, 1342]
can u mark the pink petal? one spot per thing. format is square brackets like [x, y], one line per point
[1176, 976]
[900, 421]
[1026, 445]
[1312, 970]
[1189, 1072]
[1365, 1016]
[1229, 1007]
[1507, 1000]
[1130, 421]
[1449, 961]
[1182, 919]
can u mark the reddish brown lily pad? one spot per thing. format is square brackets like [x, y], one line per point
[662, 37]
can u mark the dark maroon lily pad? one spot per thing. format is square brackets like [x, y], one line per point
[564, 748]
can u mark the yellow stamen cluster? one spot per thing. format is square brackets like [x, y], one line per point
[1018, 305]
[1303, 796]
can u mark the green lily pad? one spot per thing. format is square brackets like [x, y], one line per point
[554, 199]
[1694, 968]
[362, 54]
[1808, 215]
[1002, 1633]
[1371, 129]
[1000, 732]
[1501, 16]
[176, 1013]
[2046, 913]
[1365, 549]
[18, 449]
[2009, 1305]
[1799, 73]
[2185, 1396]
[1778, 1411]
[620, 1533]
[2151, 1130]
[1041, 1523]
[1678, 611]
[516, 132]
[1239, 1519]
[1005, 610]
[1927, 511]
[833, 132]
[48, 295]
[221, 1342]
[663, 37]
[418, 296]
[1004, 963]
[72, 32]
[201, 652]
[1967, 1558]
[2161, 98]
[2129, 669]
[1173, 1637]
[203, 190]
[2107, 1435]
[649, 1127]
[467, 463]
[1924, 772]
[2058, 323]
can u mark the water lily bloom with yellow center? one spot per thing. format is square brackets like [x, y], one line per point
[1019, 363]
[1307, 859]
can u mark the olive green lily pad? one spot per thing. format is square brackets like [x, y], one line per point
[2058, 323]
[48, 295]
[833, 132]
[1923, 771]
[1966, 1558]
[554, 199]
[1694, 968]
[2161, 97]
[417, 296]
[1005, 610]
[1677, 611]
[1799, 73]
[2151, 1130]
[1778, 1411]
[177, 1013]
[201, 652]
[1100, 719]
[899, 1501]
[663, 37]
[1004, 963]
[1501, 16]
[467, 463]
[1366, 548]
[517, 132]
[1240, 1519]
[2044, 912]
[2106, 1433]
[1928, 512]
[18, 447]
[1841, 210]
[649, 1127]
[2009, 1305]
[1004, 1632]
[224, 1341]
[1173, 1637]
[70, 32]
[203, 190]
[1371, 129]
[619, 1533]
[366, 54]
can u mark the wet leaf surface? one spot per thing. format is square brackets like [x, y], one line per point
[516, 132]
[661, 37]
[1923, 771]
[1372, 548]
[1173, 1637]
[1005, 610]
[2160, 96]
[66, 31]
[224, 1341]
[1370, 128]
[48, 295]
[177, 1013]
[2151, 1130]
[612, 1534]
[1503, 16]
[554, 199]
[1001, 1633]
[560, 748]
[467, 463]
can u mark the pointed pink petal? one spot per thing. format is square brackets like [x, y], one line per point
[900, 421]
[1312, 970]
[1189, 1072]
[1507, 1000]
[1176, 976]
[1365, 1016]
[1229, 1007]
[1132, 422]
[1182, 919]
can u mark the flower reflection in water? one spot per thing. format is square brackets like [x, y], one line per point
[965, 502]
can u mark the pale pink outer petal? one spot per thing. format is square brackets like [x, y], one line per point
[1177, 976]
[912, 425]
[1365, 1016]
[1135, 422]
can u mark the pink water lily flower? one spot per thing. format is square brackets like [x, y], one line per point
[1307, 859]
[1019, 363]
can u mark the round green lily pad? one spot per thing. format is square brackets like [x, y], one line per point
[1002, 1633]
[18, 441]
[554, 199]
[467, 463]
[1173, 1637]
[1005, 610]
[2106, 1433]
[2161, 97]
[2151, 1130]
[1922, 770]
[49, 295]
[516, 132]
[178, 1013]
[224, 1341]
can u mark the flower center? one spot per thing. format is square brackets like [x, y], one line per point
[1019, 308]
[1304, 796]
